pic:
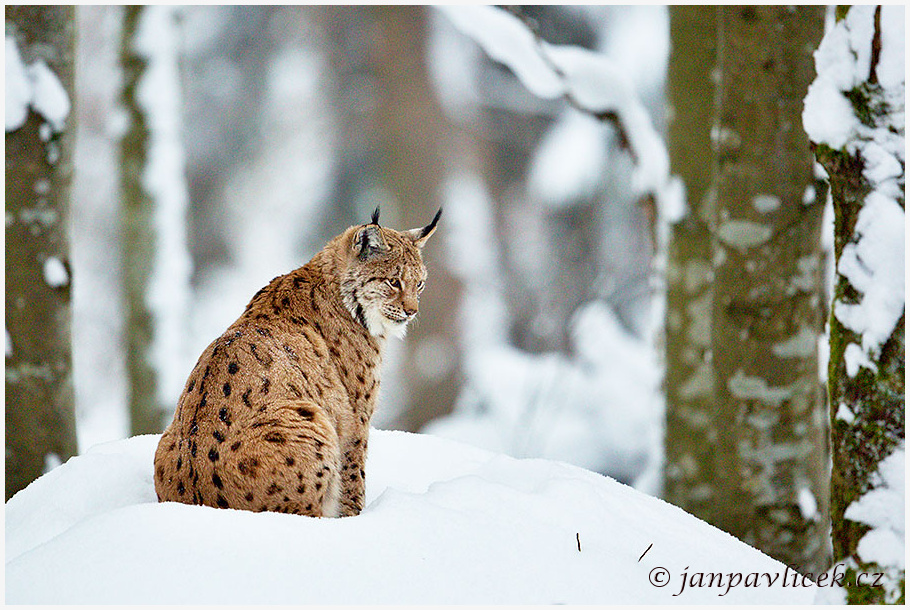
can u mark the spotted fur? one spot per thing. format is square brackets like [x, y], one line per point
[275, 415]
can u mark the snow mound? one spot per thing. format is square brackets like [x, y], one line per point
[444, 523]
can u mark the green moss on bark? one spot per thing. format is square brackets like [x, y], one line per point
[872, 400]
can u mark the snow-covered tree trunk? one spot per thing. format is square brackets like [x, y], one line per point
[768, 308]
[855, 118]
[40, 417]
[691, 428]
[156, 265]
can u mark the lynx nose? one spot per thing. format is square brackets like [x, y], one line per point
[409, 305]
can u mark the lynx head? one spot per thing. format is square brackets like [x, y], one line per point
[384, 275]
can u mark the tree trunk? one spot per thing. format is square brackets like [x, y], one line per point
[768, 310]
[691, 429]
[865, 387]
[138, 240]
[745, 439]
[40, 416]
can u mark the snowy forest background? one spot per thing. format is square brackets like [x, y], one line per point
[291, 119]
[568, 252]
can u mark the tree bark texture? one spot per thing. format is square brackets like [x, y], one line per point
[40, 415]
[146, 414]
[768, 310]
[691, 430]
[746, 430]
[874, 395]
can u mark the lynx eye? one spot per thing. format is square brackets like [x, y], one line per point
[394, 283]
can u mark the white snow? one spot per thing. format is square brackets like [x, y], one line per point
[55, 273]
[873, 260]
[595, 409]
[18, 91]
[505, 39]
[596, 84]
[569, 164]
[51, 461]
[808, 507]
[638, 42]
[809, 195]
[34, 85]
[844, 413]
[841, 62]
[890, 70]
[874, 265]
[444, 523]
[882, 509]
[49, 98]
[592, 80]
[855, 357]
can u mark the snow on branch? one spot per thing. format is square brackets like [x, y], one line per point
[587, 80]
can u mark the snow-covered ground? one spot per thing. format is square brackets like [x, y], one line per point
[444, 523]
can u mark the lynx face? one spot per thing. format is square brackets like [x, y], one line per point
[384, 277]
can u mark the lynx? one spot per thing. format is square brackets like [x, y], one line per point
[275, 415]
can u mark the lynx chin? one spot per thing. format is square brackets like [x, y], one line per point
[276, 413]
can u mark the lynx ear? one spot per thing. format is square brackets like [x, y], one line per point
[420, 236]
[368, 242]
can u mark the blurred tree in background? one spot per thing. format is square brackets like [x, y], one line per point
[393, 144]
[156, 266]
[691, 428]
[40, 421]
[139, 243]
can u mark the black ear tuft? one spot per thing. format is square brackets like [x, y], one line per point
[374, 219]
[420, 236]
[430, 227]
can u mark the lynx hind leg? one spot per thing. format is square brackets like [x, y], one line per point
[286, 461]
[168, 486]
